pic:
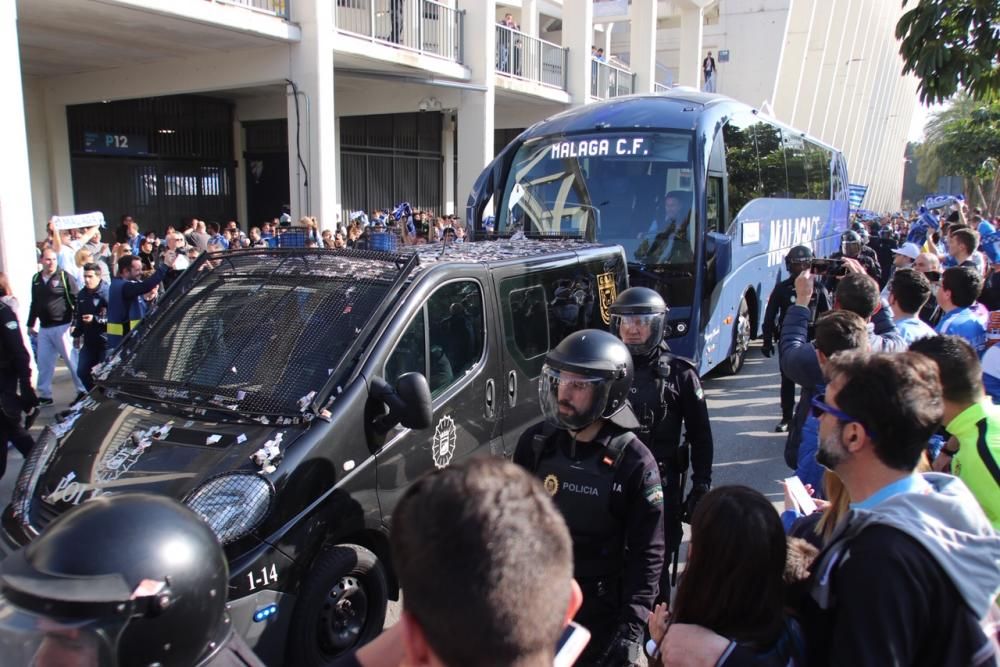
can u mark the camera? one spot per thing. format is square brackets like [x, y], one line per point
[833, 267]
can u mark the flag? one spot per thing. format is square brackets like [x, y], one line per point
[400, 211]
[991, 246]
[922, 226]
[940, 201]
[856, 194]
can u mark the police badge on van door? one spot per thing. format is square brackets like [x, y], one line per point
[443, 443]
[608, 291]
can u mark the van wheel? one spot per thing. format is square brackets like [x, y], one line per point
[741, 340]
[342, 606]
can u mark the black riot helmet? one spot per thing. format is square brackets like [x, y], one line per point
[798, 258]
[638, 318]
[850, 243]
[587, 377]
[122, 580]
[862, 231]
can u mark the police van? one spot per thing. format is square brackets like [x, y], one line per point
[290, 396]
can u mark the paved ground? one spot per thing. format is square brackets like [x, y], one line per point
[743, 408]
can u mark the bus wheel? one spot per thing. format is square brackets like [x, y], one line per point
[342, 606]
[741, 340]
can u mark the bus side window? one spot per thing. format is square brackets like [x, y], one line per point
[795, 164]
[741, 165]
[772, 161]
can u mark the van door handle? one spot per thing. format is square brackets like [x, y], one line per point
[490, 398]
[511, 388]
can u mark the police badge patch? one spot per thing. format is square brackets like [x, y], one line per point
[551, 484]
[443, 443]
[608, 291]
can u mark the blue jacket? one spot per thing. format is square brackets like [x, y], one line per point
[92, 303]
[963, 322]
[124, 311]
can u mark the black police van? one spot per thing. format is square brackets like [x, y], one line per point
[289, 397]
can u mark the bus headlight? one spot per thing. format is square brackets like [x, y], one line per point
[232, 504]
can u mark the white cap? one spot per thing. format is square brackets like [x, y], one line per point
[911, 250]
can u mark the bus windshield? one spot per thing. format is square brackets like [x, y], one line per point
[634, 189]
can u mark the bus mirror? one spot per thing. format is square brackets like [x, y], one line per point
[719, 246]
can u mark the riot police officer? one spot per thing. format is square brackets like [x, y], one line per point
[853, 245]
[607, 486]
[15, 376]
[666, 395]
[131, 579]
[797, 260]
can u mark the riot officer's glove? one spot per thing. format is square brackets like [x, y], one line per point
[624, 649]
[29, 399]
[767, 350]
[697, 492]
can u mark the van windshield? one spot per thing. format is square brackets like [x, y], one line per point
[256, 332]
[634, 189]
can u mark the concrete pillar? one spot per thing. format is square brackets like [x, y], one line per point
[812, 63]
[793, 56]
[642, 44]
[476, 119]
[242, 213]
[448, 162]
[606, 45]
[831, 54]
[313, 188]
[60, 167]
[578, 35]
[529, 17]
[17, 250]
[689, 66]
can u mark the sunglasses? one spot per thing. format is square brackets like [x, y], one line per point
[819, 406]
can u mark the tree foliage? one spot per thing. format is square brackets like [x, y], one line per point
[964, 140]
[952, 45]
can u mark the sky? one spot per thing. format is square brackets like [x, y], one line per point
[921, 115]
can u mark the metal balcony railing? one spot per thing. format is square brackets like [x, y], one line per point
[608, 80]
[276, 7]
[521, 56]
[423, 26]
[660, 88]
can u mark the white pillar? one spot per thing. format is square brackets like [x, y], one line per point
[529, 17]
[642, 44]
[448, 162]
[608, 28]
[311, 68]
[689, 66]
[60, 166]
[17, 250]
[578, 35]
[476, 108]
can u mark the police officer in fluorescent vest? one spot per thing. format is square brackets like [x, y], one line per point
[607, 486]
[666, 394]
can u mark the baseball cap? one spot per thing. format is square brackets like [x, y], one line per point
[911, 250]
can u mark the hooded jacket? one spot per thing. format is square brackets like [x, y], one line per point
[934, 547]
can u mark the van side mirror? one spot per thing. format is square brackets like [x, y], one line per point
[409, 402]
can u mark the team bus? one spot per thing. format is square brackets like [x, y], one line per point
[704, 193]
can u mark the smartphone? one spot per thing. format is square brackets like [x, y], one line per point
[821, 265]
[571, 644]
[799, 495]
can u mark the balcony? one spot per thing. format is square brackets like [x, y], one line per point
[424, 27]
[273, 7]
[526, 58]
[609, 80]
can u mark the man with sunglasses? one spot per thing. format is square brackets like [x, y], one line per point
[910, 575]
[797, 260]
[928, 264]
[666, 394]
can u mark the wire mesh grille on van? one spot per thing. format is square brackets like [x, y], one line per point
[256, 332]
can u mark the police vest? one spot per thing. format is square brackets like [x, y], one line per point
[582, 491]
[655, 399]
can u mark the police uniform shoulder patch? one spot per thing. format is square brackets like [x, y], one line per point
[551, 484]
[654, 495]
[700, 393]
[12, 325]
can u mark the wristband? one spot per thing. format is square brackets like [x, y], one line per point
[651, 647]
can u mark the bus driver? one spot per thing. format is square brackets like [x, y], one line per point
[671, 244]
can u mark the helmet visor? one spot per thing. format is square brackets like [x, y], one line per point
[851, 248]
[571, 400]
[27, 638]
[640, 332]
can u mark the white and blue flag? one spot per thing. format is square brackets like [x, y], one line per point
[856, 194]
